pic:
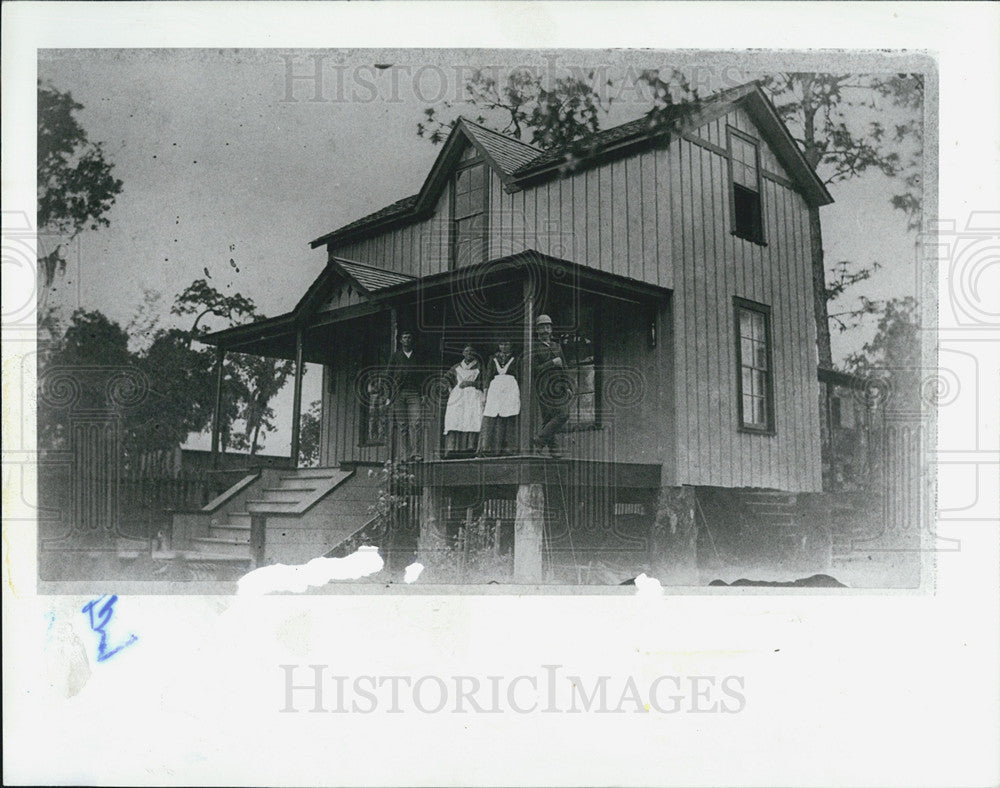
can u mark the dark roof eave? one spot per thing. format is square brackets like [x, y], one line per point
[248, 331]
[445, 277]
[839, 378]
[341, 235]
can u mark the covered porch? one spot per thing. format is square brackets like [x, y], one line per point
[613, 331]
[586, 518]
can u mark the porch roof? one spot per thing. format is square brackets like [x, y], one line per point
[275, 337]
[530, 261]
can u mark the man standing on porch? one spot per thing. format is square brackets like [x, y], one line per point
[404, 373]
[552, 387]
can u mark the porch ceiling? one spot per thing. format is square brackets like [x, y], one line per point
[275, 337]
[545, 269]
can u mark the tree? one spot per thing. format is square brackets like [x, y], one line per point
[174, 384]
[260, 380]
[891, 359]
[564, 115]
[250, 382]
[309, 435]
[836, 120]
[75, 185]
[180, 392]
[77, 372]
[201, 299]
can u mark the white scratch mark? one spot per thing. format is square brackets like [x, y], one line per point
[318, 572]
[648, 587]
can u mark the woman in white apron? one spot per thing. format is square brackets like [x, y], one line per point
[463, 415]
[503, 404]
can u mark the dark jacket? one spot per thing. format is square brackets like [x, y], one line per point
[491, 371]
[552, 384]
[406, 374]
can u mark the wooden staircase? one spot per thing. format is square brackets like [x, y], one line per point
[307, 512]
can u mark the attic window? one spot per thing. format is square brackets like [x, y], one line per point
[746, 204]
[468, 211]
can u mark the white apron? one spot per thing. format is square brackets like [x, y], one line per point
[464, 412]
[504, 397]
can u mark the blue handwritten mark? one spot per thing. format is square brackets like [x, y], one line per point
[98, 623]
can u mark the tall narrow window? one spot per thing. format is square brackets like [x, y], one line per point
[580, 347]
[755, 376]
[745, 192]
[469, 211]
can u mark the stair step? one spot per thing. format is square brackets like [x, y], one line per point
[290, 487]
[239, 518]
[278, 506]
[217, 557]
[291, 496]
[313, 473]
[225, 547]
[240, 533]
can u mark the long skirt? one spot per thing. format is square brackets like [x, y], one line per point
[460, 443]
[498, 436]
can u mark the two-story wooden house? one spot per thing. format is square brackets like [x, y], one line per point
[676, 268]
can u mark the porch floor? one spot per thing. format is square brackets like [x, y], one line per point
[534, 469]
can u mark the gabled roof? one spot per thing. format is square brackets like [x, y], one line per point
[366, 279]
[501, 152]
[519, 164]
[507, 153]
[398, 208]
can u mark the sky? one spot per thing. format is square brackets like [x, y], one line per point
[233, 160]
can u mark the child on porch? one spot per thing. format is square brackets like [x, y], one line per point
[463, 415]
[503, 404]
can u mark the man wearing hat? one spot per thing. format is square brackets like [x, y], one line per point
[553, 388]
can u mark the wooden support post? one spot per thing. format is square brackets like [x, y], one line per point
[527, 409]
[431, 542]
[258, 530]
[674, 534]
[297, 399]
[220, 356]
[529, 533]
[390, 418]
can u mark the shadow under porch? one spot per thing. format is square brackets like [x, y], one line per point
[534, 520]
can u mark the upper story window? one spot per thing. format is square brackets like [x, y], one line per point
[745, 201]
[755, 375]
[468, 212]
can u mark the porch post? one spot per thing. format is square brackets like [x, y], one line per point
[297, 399]
[390, 418]
[529, 533]
[526, 376]
[220, 356]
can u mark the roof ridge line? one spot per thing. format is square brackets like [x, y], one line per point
[507, 137]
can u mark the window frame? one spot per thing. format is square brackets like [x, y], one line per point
[375, 357]
[463, 165]
[761, 236]
[594, 304]
[771, 427]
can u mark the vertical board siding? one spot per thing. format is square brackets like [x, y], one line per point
[710, 267]
[417, 249]
[662, 217]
